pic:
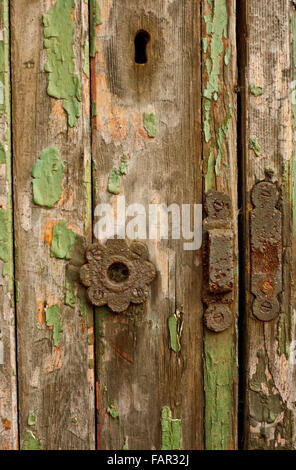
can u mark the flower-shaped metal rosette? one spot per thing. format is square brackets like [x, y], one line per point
[117, 274]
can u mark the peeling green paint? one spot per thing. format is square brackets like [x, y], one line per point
[205, 45]
[62, 240]
[254, 145]
[170, 430]
[52, 316]
[31, 442]
[174, 336]
[207, 127]
[31, 419]
[70, 298]
[123, 168]
[2, 73]
[59, 41]
[227, 56]
[4, 240]
[48, 174]
[150, 124]
[114, 181]
[222, 132]
[2, 154]
[218, 382]
[113, 412]
[95, 20]
[93, 108]
[217, 27]
[86, 58]
[125, 445]
[256, 90]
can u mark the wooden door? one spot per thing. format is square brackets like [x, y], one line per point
[169, 127]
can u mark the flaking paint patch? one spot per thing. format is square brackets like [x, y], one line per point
[63, 239]
[174, 335]
[52, 317]
[4, 240]
[31, 419]
[95, 20]
[31, 442]
[2, 154]
[48, 174]
[254, 145]
[114, 176]
[150, 124]
[70, 298]
[256, 90]
[170, 430]
[218, 383]
[63, 83]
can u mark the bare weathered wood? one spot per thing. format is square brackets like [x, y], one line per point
[219, 116]
[143, 373]
[267, 64]
[8, 391]
[54, 324]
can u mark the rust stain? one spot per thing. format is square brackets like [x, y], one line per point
[122, 354]
[73, 15]
[6, 423]
[40, 314]
[54, 361]
[48, 231]
[58, 113]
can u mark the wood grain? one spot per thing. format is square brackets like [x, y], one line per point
[56, 382]
[138, 372]
[266, 63]
[8, 390]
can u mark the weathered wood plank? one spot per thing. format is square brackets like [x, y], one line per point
[143, 373]
[219, 72]
[8, 391]
[51, 143]
[267, 139]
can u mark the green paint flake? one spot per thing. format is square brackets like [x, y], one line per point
[95, 20]
[256, 90]
[150, 124]
[59, 40]
[125, 445]
[4, 239]
[113, 412]
[174, 337]
[93, 108]
[254, 145]
[31, 442]
[218, 382]
[2, 154]
[123, 168]
[217, 28]
[205, 45]
[52, 315]
[2, 73]
[114, 181]
[70, 298]
[74, 420]
[31, 419]
[62, 240]
[170, 430]
[227, 56]
[48, 174]
[86, 58]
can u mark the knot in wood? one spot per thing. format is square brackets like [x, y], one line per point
[117, 274]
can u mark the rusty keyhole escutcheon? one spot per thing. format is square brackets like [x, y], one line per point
[117, 274]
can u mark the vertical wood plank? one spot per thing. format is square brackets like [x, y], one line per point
[144, 379]
[8, 390]
[51, 142]
[267, 63]
[219, 114]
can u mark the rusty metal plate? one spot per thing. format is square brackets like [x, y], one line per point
[220, 260]
[218, 256]
[266, 251]
[117, 274]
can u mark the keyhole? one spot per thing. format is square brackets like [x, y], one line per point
[118, 272]
[141, 40]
